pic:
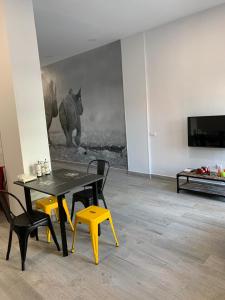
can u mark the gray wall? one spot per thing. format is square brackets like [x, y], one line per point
[99, 75]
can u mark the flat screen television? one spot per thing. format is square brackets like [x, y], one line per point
[206, 131]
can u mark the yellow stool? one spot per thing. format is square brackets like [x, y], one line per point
[50, 203]
[93, 216]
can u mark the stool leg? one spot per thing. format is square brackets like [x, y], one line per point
[48, 233]
[94, 240]
[57, 213]
[67, 214]
[113, 230]
[96, 246]
[74, 235]
[73, 208]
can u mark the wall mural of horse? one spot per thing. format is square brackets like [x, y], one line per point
[70, 110]
[50, 100]
[91, 120]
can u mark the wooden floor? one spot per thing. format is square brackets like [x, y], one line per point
[172, 246]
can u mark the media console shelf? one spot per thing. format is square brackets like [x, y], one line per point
[211, 185]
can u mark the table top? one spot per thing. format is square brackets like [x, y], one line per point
[201, 176]
[60, 181]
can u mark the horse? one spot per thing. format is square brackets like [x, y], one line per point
[70, 110]
[50, 101]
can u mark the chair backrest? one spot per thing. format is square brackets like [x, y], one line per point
[5, 205]
[102, 169]
[2, 178]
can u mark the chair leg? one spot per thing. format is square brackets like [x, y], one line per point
[103, 199]
[67, 214]
[57, 213]
[23, 238]
[113, 231]
[74, 235]
[72, 209]
[94, 240]
[51, 229]
[9, 244]
[86, 203]
[48, 233]
[36, 234]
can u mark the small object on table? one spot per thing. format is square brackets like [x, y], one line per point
[200, 171]
[42, 168]
[47, 169]
[213, 172]
[203, 171]
[26, 178]
[38, 169]
[188, 170]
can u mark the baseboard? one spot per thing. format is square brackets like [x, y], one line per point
[123, 171]
[164, 177]
[84, 164]
[139, 174]
[150, 176]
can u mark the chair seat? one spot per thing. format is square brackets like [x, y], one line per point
[93, 214]
[51, 202]
[37, 217]
[24, 224]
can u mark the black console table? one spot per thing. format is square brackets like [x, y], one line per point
[208, 184]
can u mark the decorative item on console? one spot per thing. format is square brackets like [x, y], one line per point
[203, 171]
[214, 171]
[38, 169]
[42, 168]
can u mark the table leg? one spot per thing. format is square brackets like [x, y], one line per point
[95, 201]
[62, 218]
[28, 200]
[29, 208]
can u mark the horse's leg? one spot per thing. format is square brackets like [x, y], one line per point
[69, 140]
[78, 136]
[65, 125]
[49, 140]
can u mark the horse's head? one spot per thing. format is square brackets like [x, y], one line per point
[52, 88]
[78, 101]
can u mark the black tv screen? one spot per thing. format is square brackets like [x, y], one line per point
[207, 131]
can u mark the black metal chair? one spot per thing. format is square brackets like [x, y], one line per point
[24, 224]
[86, 195]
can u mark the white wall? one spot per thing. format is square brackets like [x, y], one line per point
[135, 101]
[22, 116]
[25, 66]
[181, 75]
[186, 66]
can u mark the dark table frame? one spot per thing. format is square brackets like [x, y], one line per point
[60, 195]
[206, 184]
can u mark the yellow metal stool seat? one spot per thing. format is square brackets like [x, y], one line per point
[50, 203]
[93, 216]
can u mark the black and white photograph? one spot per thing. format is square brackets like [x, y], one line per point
[84, 107]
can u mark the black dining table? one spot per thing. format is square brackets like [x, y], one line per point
[58, 184]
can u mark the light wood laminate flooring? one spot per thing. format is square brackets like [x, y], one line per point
[172, 246]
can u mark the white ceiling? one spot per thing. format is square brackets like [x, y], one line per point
[68, 27]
